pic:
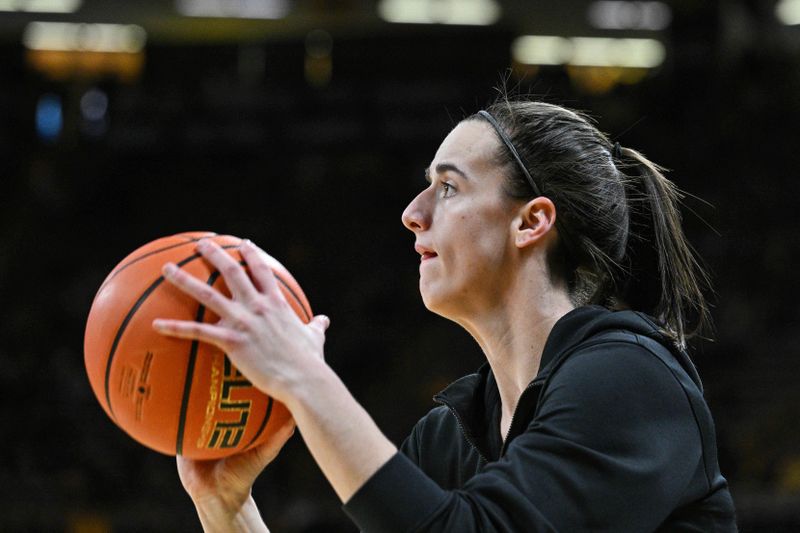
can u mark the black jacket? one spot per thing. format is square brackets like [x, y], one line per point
[613, 434]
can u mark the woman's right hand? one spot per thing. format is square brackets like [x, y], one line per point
[220, 488]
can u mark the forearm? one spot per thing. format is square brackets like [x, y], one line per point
[216, 516]
[342, 437]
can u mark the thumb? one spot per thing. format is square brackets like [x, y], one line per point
[320, 323]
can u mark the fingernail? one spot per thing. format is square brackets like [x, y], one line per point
[170, 269]
[158, 324]
[202, 245]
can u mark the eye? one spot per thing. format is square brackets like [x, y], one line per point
[447, 189]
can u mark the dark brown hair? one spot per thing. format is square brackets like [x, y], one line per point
[621, 241]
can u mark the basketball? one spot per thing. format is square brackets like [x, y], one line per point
[173, 395]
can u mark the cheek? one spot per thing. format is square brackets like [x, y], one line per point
[481, 248]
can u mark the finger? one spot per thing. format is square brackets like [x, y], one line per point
[280, 437]
[320, 323]
[267, 452]
[285, 432]
[235, 277]
[219, 336]
[258, 263]
[202, 292]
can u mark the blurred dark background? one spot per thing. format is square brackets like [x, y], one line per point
[306, 125]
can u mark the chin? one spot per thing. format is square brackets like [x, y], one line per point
[428, 298]
[437, 303]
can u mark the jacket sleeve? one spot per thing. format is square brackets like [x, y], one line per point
[613, 447]
[410, 446]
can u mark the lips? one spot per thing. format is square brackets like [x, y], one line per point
[425, 252]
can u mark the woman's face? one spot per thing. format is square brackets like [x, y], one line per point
[463, 224]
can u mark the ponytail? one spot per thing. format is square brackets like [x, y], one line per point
[663, 274]
[621, 243]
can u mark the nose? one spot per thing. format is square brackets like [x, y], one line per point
[416, 216]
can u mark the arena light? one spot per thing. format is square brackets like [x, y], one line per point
[459, 12]
[618, 15]
[588, 51]
[541, 50]
[66, 36]
[41, 6]
[244, 9]
[607, 52]
[49, 117]
[788, 12]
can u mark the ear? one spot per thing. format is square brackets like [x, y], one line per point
[534, 222]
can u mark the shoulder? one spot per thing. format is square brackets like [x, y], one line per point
[437, 445]
[624, 381]
[623, 361]
[433, 422]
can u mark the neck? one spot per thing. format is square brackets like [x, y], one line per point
[512, 333]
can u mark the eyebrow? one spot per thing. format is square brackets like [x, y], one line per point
[441, 168]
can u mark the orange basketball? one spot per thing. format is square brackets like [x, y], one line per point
[175, 396]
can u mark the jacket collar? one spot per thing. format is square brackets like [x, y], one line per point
[475, 399]
[569, 330]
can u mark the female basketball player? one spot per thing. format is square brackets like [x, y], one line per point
[563, 255]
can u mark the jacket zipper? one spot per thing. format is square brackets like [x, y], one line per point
[463, 431]
[541, 379]
[514, 415]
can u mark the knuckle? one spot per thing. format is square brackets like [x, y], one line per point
[206, 294]
[230, 269]
[240, 323]
[275, 297]
[261, 267]
[261, 307]
[180, 278]
[235, 338]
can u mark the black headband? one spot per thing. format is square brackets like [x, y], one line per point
[565, 236]
[502, 134]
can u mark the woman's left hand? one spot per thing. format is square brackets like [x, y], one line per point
[258, 330]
